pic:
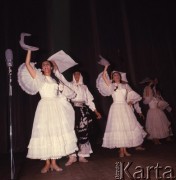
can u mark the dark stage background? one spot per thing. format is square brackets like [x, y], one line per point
[136, 36]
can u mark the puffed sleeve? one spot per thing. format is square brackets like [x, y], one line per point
[162, 104]
[137, 108]
[102, 87]
[89, 99]
[27, 83]
[132, 96]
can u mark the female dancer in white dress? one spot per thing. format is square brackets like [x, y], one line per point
[53, 133]
[157, 123]
[81, 103]
[122, 129]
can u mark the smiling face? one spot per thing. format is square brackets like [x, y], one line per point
[46, 68]
[116, 77]
[76, 76]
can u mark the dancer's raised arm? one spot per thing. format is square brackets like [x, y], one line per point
[31, 70]
[60, 76]
[104, 75]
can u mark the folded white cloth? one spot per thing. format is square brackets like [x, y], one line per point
[103, 61]
[63, 60]
[24, 46]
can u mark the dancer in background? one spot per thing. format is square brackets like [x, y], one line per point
[133, 98]
[122, 129]
[165, 106]
[81, 103]
[157, 123]
[53, 134]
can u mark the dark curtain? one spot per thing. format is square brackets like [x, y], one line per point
[137, 37]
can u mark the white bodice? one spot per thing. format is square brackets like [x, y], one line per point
[119, 95]
[49, 89]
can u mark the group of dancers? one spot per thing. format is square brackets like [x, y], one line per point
[62, 117]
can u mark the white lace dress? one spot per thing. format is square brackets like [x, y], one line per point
[53, 133]
[122, 129]
[157, 123]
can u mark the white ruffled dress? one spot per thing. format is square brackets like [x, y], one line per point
[122, 129]
[157, 124]
[53, 133]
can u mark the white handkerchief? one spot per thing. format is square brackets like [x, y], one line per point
[103, 61]
[63, 60]
[24, 46]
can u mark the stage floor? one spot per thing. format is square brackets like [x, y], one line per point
[104, 164]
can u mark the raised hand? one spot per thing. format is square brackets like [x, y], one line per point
[24, 46]
[54, 65]
[103, 61]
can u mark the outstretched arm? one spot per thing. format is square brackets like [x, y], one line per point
[91, 104]
[31, 70]
[104, 75]
[55, 66]
[138, 110]
[60, 76]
